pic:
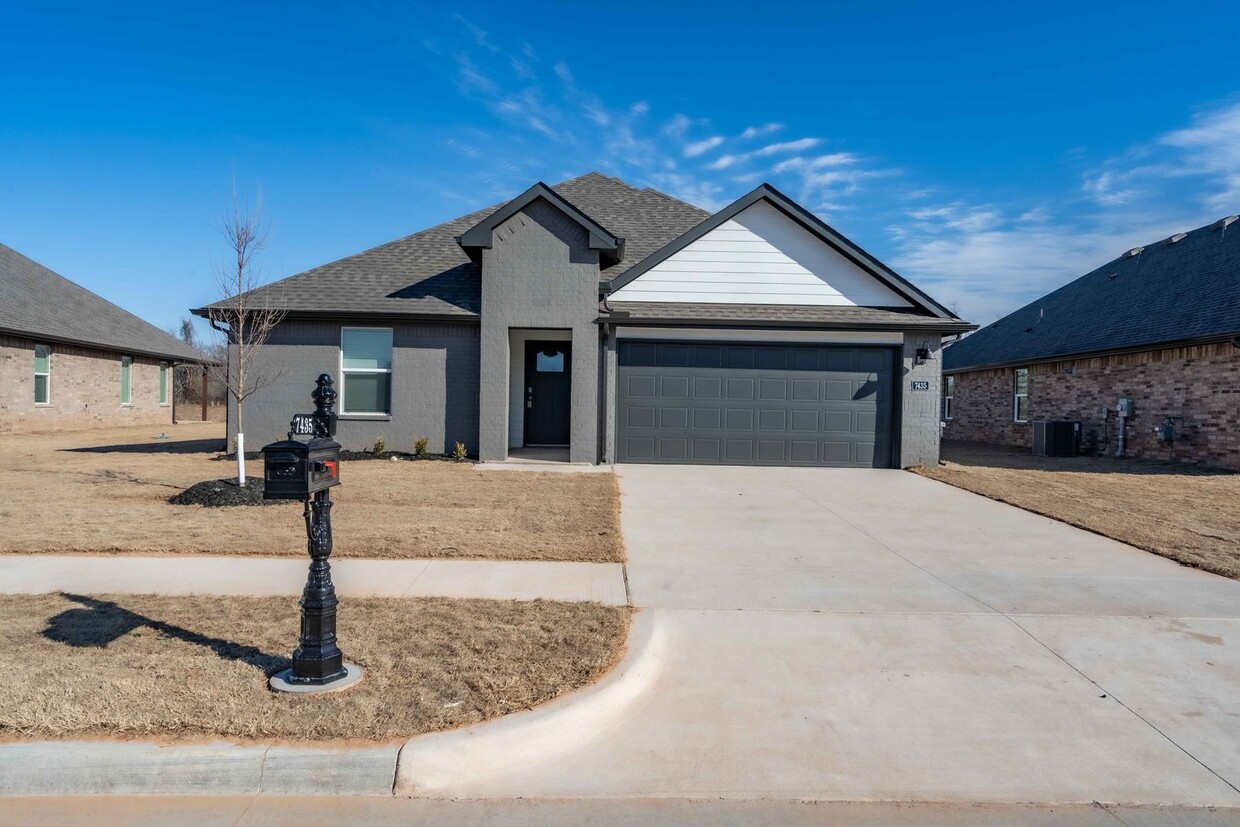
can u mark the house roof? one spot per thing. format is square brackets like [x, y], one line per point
[812, 223]
[800, 315]
[40, 304]
[1168, 292]
[429, 274]
[602, 239]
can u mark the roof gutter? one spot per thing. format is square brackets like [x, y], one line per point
[1091, 354]
[621, 318]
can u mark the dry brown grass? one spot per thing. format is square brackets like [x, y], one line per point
[1185, 513]
[194, 667]
[106, 491]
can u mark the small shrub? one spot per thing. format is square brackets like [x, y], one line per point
[419, 446]
[380, 446]
[458, 451]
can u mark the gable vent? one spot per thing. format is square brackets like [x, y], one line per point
[1177, 238]
[1135, 251]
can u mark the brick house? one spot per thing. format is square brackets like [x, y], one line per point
[1160, 325]
[70, 359]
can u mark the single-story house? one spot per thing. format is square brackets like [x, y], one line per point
[622, 325]
[1159, 326]
[70, 359]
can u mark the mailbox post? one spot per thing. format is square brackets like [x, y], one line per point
[307, 471]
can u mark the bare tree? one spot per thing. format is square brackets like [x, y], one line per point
[246, 315]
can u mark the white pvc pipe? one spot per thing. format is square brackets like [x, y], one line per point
[241, 459]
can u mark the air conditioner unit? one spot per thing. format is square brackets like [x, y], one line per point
[1056, 439]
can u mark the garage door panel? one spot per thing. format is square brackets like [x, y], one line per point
[707, 387]
[769, 404]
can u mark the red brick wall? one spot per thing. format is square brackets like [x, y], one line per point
[1200, 385]
[85, 390]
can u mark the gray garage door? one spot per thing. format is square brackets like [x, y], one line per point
[755, 404]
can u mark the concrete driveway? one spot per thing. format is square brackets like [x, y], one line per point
[874, 635]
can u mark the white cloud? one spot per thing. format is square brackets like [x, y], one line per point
[758, 131]
[789, 146]
[696, 148]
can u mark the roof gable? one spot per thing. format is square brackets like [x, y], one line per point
[759, 256]
[846, 250]
[1168, 292]
[610, 246]
[38, 303]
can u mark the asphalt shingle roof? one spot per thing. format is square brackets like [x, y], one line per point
[1166, 293]
[428, 273]
[809, 315]
[40, 304]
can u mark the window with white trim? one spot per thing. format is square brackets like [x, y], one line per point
[949, 393]
[42, 375]
[366, 370]
[126, 380]
[163, 383]
[1020, 395]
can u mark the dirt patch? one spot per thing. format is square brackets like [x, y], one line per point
[1183, 512]
[222, 493]
[110, 493]
[190, 667]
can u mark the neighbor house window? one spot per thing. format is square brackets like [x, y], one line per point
[949, 393]
[1020, 395]
[163, 383]
[42, 375]
[366, 367]
[126, 374]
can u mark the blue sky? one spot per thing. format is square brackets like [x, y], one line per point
[990, 152]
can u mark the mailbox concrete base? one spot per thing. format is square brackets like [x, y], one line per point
[280, 682]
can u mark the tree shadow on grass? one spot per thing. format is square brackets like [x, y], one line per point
[102, 622]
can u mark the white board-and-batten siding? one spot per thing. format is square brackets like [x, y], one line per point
[760, 256]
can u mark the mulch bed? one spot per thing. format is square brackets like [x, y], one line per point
[354, 456]
[223, 493]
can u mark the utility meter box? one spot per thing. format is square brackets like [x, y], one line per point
[295, 470]
[1124, 406]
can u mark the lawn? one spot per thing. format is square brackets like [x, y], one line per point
[185, 668]
[1186, 513]
[106, 492]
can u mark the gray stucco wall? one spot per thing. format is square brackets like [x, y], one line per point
[920, 410]
[539, 273]
[434, 385]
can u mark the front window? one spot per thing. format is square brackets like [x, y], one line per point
[163, 383]
[42, 375]
[1020, 395]
[366, 367]
[126, 374]
[949, 393]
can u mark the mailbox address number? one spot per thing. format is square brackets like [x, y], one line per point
[920, 385]
[303, 424]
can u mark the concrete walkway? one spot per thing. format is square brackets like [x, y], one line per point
[499, 580]
[251, 811]
[871, 635]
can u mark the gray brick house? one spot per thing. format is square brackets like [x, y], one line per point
[70, 359]
[624, 326]
[1159, 325]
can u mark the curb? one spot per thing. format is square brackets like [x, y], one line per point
[97, 767]
[430, 765]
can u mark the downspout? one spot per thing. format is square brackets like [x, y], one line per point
[227, 368]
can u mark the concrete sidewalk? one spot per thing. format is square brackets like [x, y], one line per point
[491, 579]
[220, 811]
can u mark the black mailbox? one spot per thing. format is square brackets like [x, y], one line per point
[295, 470]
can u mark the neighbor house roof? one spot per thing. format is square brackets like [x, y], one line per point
[1179, 290]
[775, 315]
[429, 274]
[39, 304]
